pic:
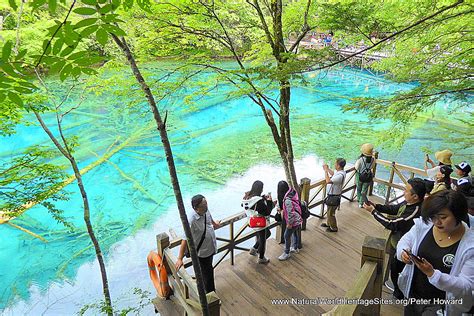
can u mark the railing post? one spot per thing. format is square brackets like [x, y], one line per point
[214, 303]
[305, 184]
[324, 196]
[390, 182]
[373, 249]
[231, 229]
[163, 242]
[374, 170]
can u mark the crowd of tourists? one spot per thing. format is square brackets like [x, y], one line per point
[432, 239]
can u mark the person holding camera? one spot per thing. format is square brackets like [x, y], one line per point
[403, 215]
[333, 199]
[202, 230]
[363, 166]
[258, 206]
[439, 255]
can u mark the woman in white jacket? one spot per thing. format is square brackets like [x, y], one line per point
[439, 275]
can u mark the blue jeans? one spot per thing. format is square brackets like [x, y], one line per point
[291, 233]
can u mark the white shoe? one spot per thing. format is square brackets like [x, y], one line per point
[263, 260]
[361, 206]
[284, 256]
[253, 251]
[294, 250]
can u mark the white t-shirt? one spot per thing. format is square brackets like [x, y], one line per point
[432, 172]
[337, 182]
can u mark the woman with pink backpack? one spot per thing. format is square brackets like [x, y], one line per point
[291, 213]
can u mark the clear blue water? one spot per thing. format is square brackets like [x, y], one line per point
[121, 207]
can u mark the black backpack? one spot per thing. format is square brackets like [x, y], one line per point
[304, 210]
[366, 175]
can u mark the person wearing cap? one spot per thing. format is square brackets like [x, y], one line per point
[401, 222]
[202, 230]
[465, 185]
[364, 166]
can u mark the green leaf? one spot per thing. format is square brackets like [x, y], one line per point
[105, 9]
[85, 11]
[21, 54]
[6, 51]
[65, 72]
[13, 4]
[88, 60]
[89, 71]
[89, 30]
[22, 89]
[115, 4]
[77, 55]
[52, 6]
[114, 30]
[66, 51]
[37, 3]
[85, 22]
[89, 2]
[102, 36]
[57, 67]
[57, 46]
[15, 98]
[76, 71]
[9, 70]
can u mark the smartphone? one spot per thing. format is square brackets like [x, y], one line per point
[413, 257]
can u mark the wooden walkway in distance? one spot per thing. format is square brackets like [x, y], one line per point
[324, 268]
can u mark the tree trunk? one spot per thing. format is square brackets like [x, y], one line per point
[85, 200]
[171, 167]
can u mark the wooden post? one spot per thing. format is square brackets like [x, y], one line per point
[389, 188]
[374, 170]
[324, 196]
[305, 184]
[162, 242]
[214, 303]
[373, 249]
[231, 229]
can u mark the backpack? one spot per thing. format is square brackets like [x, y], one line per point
[366, 175]
[304, 210]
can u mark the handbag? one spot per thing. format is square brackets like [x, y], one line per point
[187, 254]
[257, 222]
[333, 200]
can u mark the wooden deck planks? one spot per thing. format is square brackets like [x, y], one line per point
[325, 268]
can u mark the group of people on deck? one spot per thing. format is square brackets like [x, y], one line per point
[432, 240]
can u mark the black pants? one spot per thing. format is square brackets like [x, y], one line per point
[262, 236]
[396, 267]
[207, 273]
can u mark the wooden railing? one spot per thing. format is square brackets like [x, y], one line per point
[314, 193]
[368, 282]
[184, 286]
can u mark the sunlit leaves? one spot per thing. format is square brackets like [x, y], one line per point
[85, 11]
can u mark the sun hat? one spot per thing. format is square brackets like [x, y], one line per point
[464, 167]
[367, 149]
[444, 156]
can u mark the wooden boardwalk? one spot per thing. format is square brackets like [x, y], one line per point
[325, 268]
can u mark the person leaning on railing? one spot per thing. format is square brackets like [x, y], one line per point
[202, 229]
[441, 267]
[403, 215]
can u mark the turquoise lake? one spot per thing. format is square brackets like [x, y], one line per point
[130, 194]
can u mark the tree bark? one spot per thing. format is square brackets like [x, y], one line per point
[122, 44]
[85, 200]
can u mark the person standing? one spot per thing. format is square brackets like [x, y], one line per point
[202, 230]
[400, 222]
[363, 167]
[293, 219]
[258, 205]
[439, 255]
[333, 200]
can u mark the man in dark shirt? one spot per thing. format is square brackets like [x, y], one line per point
[400, 222]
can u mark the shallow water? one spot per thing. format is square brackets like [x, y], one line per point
[219, 150]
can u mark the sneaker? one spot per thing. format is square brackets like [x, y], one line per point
[324, 225]
[284, 256]
[294, 250]
[330, 230]
[253, 251]
[389, 285]
[263, 260]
